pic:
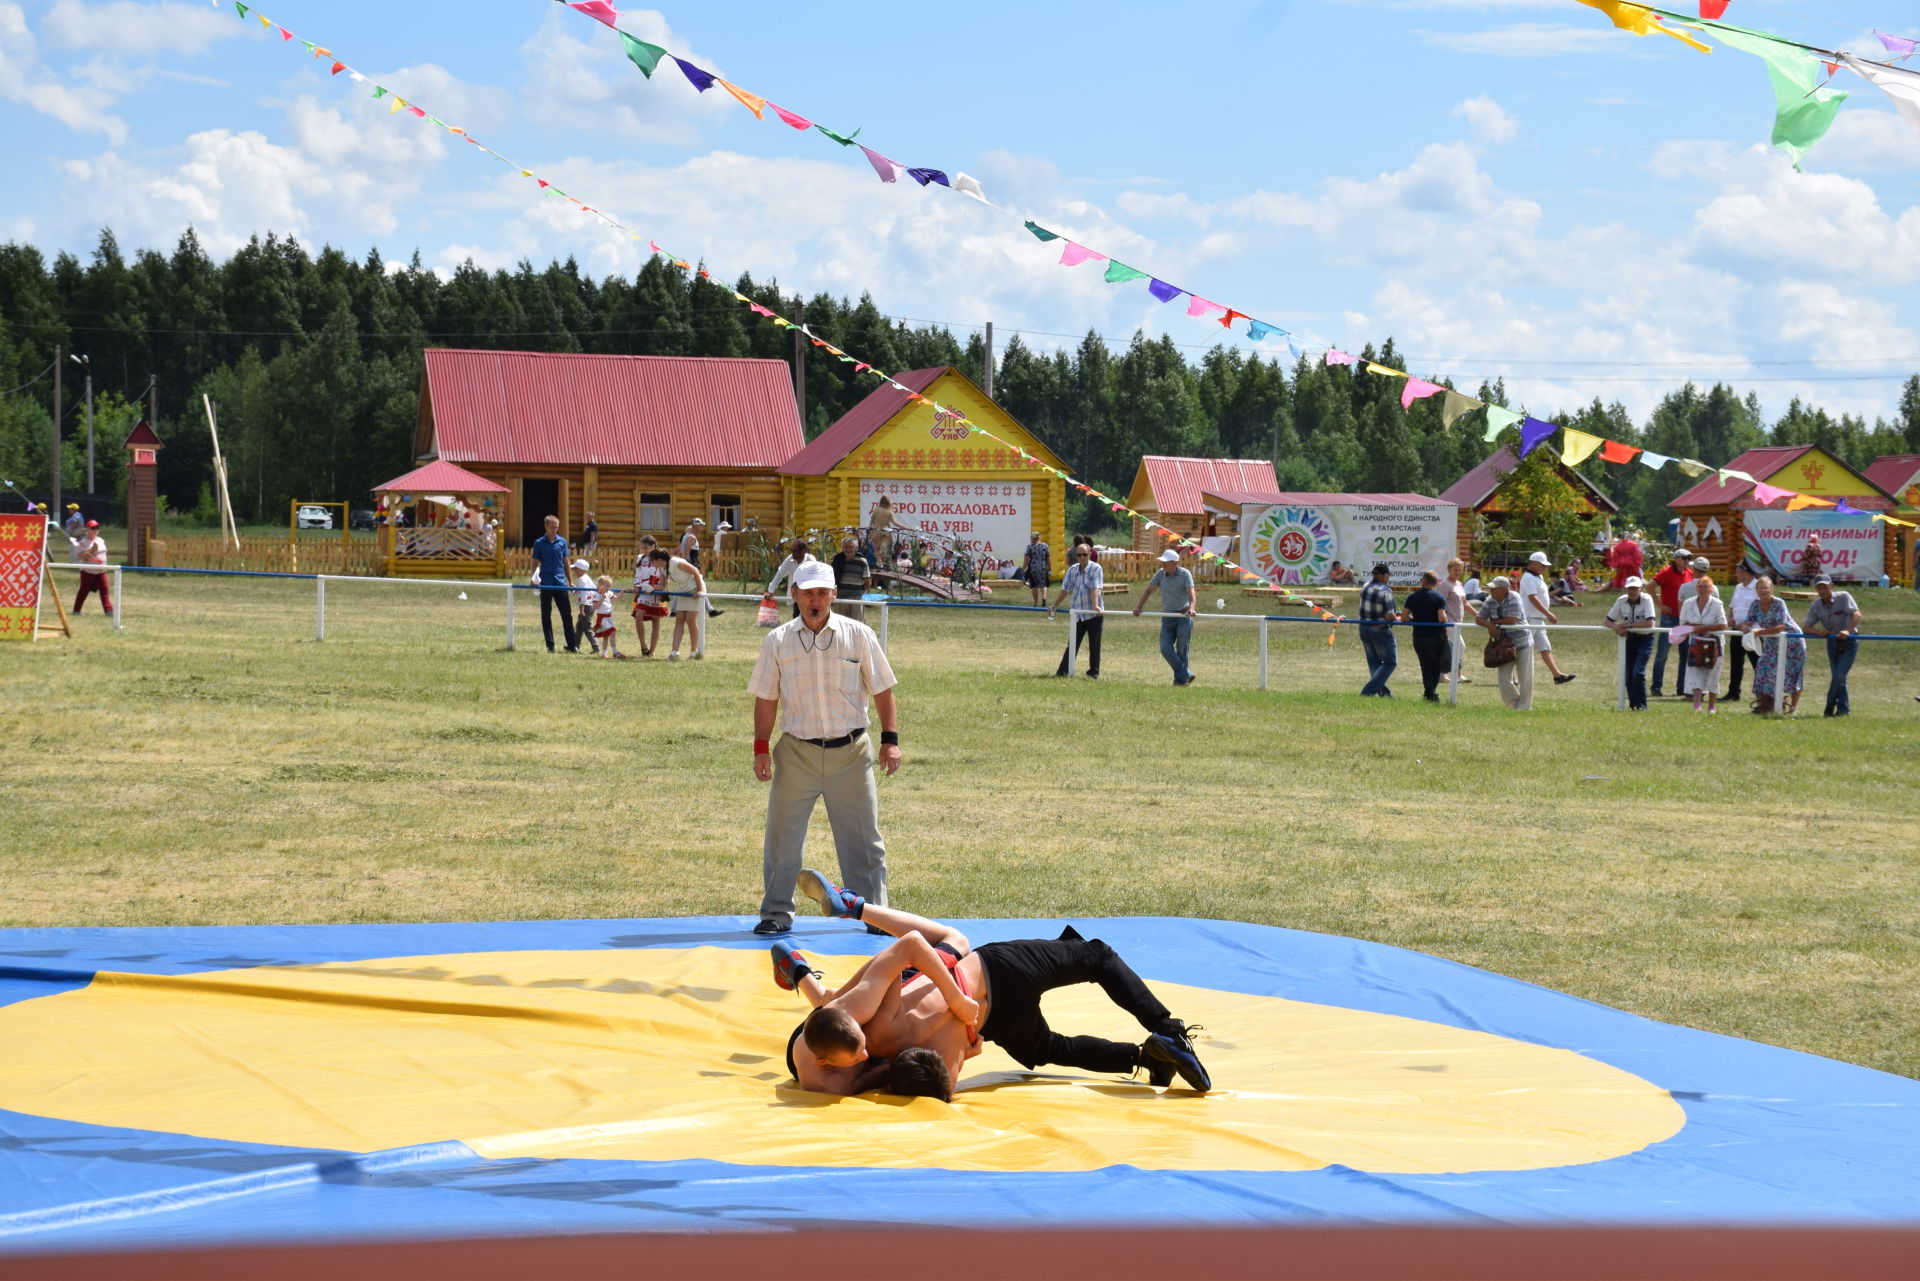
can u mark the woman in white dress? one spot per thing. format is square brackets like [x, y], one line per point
[1706, 650]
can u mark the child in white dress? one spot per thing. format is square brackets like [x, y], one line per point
[605, 633]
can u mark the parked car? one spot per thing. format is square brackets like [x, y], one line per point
[363, 518]
[310, 517]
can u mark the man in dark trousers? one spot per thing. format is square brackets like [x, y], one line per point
[1430, 644]
[550, 554]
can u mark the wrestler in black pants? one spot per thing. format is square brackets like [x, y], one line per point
[1019, 973]
[1431, 647]
[1087, 626]
[552, 598]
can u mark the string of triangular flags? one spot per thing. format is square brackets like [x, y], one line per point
[1804, 108]
[945, 412]
[648, 56]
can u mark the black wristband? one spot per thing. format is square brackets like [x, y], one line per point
[889, 738]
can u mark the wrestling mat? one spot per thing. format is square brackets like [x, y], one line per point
[217, 1085]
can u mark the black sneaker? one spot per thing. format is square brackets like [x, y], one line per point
[1563, 678]
[715, 613]
[771, 926]
[1166, 1053]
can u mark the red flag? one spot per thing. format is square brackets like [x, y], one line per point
[1226, 321]
[1833, 68]
[338, 67]
[1613, 451]
[1714, 9]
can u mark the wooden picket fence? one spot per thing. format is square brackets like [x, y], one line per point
[266, 553]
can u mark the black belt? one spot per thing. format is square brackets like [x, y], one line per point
[842, 741]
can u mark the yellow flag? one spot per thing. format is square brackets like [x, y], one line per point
[1641, 21]
[1382, 369]
[1799, 501]
[1577, 446]
[395, 105]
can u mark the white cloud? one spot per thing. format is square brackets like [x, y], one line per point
[126, 26]
[24, 80]
[1867, 141]
[1488, 121]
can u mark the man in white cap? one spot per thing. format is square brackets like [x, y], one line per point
[815, 674]
[1176, 598]
[1633, 616]
[1535, 600]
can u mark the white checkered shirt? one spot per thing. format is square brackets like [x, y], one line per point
[822, 682]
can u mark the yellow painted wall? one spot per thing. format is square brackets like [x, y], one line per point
[912, 446]
[1819, 473]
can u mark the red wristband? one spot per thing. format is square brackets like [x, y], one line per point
[759, 747]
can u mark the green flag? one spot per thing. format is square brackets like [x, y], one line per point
[1802, 113]
[1041, 232]
[642, 55]
[844, 139]
[1499, 418]
[1119, 273]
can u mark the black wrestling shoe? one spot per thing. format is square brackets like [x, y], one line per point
[1166, 1053]
[771, 926]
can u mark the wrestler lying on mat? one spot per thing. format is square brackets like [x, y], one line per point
[925, 1003]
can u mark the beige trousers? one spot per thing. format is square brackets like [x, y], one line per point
[844, 778]
[1516, 682]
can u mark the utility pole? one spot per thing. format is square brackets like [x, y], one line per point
[800, 364]
[86, 363]
[57, 508]
[988, 385]
[153, 402]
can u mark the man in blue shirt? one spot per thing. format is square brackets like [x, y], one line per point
[1376, 638]
[550, 554]
[1176, 598]
[1084, 583]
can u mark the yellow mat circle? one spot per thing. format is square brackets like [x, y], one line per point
[663, 1054]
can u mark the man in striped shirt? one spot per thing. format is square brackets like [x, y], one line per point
[1085, 585]
[815, 675]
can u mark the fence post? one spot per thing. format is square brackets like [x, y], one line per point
[319, 608]
[1263, 653]
[883, 626]
[1780, 674]
[1456, 646]
[119, 596]
[510, 587]
[1620, 675]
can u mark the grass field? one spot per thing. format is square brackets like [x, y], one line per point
[214, 764]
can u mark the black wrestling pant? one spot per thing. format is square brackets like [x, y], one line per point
[1019, 973]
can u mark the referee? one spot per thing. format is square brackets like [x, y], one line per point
[823, 666]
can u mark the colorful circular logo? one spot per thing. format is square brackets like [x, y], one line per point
[1291, 545]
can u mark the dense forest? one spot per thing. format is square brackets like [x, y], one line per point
[313, 363]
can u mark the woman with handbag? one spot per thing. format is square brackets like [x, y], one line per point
[1705, 650]
[1509, 650]
[1777, 676]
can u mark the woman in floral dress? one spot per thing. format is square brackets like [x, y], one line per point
[1766, 618]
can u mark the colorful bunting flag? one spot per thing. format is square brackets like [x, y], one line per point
[1713, 9]
[1801, 501]
[1846, 509]
[797, 121]
[751, 101]
[599, 9]
[1578, 446]
[968, 185]
[1118, 273]
[1767, 494]
[641, 54]
[1656, 461]
[888, 170]
[1417, 389]
[1073, 255]
[1041, 233]
[1199, 307]
[1803, 112]
[1454, 405]
[1692, 468]
[925, 176]
[1615, 452]
[1382, 369]
[1258, 329]
[1163, 291]
[1534, 433]
[1226, 321]
[701, 80]
[1337, 357]
[1499, 418]
[1900, 46]
[1897, 83]
[1641, 21]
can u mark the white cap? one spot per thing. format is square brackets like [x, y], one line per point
[580, 564]
[1636, 581]
[812, 573]
[1169, 555]
[1681, 553]
[724, 525]
[1538, 558]
[696, 521]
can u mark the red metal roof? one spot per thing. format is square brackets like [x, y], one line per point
[1895, 472]
[440, 477]
[1176, 483]
[1478, 485]
[611, 411]
[142, 435]
[830, 448]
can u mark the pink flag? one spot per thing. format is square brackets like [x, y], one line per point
[1073, 255]
[1335, 357]
[1200, 306]
[1898, 44]
[1713, 9]
[595, 9]
[285, 34]
[1417, 388]
[888, 170]
[798, 122]
[1768, 493]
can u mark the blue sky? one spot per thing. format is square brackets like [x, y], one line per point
[1504, 186]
